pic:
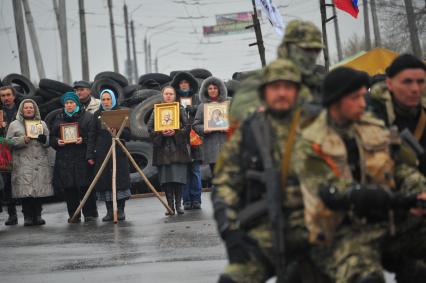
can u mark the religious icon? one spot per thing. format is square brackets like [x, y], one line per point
[216, 116]
[166, 116]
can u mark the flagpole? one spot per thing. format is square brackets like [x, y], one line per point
[324, 21]
[258, 32]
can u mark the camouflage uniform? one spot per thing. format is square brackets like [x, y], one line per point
[234, 191]
[298, 33]
[348, 247]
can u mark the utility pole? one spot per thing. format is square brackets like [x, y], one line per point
[83, 41]
[258, 32]
[145, 51]
[156, 64]
[60, 12]
[128, 61]
[414, 36]
[376, 29]
[114, 46]
[366, 26]
[336, 30]
[20, 36]
[149, 58]
[135, 64]
[324, 21]
[34, 39]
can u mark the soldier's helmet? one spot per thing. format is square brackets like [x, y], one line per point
[281, 70]
[302, 33]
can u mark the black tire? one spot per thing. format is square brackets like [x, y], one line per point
[48, 107]
[50, 116]
[106, 83]
[37, 99]
[200, 73]
[119, 78]
[232, 86]
[140, 116]
[130, 90]
[28, 89]
[140, 96]
[47, 94]
[142, 153]
[158, 77]
[54, 86]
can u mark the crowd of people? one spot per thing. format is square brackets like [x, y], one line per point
[78, 160]
[316, 184]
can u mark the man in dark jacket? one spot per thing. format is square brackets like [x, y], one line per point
[84, 93]
[73, 160]
[7, 96]
[399, 102]
[186, 86]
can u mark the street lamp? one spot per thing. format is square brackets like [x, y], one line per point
[162, 48]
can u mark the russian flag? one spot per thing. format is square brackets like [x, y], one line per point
[349, 6]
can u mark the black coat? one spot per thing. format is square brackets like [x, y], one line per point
[102, 146]
[71, 167]
[174, 149]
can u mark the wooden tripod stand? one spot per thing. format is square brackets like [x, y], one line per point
[112, 152]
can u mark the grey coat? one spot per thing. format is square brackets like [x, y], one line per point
[212, 142]
[31, 174]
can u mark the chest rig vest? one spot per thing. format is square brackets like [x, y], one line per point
[376, 166]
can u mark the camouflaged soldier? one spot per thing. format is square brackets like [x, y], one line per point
[358, 185]
[241, 185]
[301, 45]
[398, 100]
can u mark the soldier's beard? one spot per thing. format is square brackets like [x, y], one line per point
[304, 59]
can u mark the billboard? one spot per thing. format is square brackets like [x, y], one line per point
[230, 23]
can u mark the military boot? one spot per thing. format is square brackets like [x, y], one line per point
[13, 218]
[28, 220]
[120, 207]
[110, 215]
[178, 200]
[169, 197]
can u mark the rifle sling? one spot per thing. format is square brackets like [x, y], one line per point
[421, 124]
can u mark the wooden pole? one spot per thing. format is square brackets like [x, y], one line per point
[150, 186]
[114, 180]
[337, 31]
[128, 60]
[83, 42]
[324, 34]
[34, 40]
[114, 45]
[92, 185]
[60, 12]
[366, 26]
[412, 27]
[20, 36]
[376, 28]
[258, 33]
[135, 62]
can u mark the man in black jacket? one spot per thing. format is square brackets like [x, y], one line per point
[7, 96]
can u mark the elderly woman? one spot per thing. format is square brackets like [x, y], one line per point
[171, 154]
[103, 144]
[211, 90]
[74, 160]
[31, 175]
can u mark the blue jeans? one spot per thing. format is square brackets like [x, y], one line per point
[192, 189]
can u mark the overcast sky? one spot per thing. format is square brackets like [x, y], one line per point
[187, 48]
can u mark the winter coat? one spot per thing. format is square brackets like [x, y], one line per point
[190, 110]
[212, 142]
[174, 149]
[31, 174]
[71, 167]
[9, 115]
[93, 105]
[103, 144]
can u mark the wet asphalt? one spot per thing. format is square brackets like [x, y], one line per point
[147, 247]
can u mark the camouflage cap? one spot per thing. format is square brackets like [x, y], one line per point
[303, 33]
[281, 70]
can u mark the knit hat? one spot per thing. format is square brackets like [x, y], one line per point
[341, 82]
[403, 62]
[70, 96]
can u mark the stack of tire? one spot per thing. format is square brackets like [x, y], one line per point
[23, 86]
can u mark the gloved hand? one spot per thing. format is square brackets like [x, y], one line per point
[367, 200]
[238, 246]
[42, 138]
